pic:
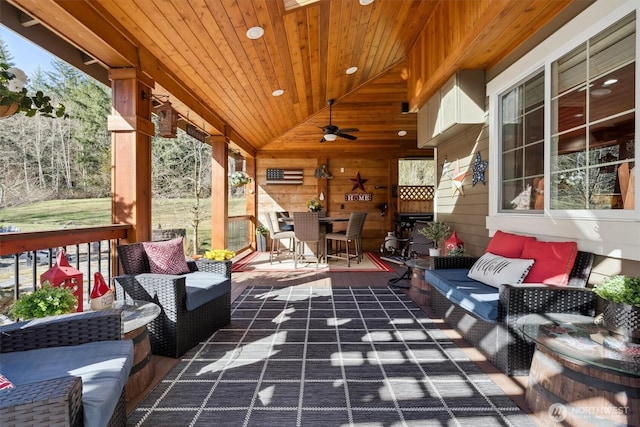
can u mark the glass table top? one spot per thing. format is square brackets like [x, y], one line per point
[579, 338]
[136, 314]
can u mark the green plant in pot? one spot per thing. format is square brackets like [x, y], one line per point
[436, 231]
[261, 238]
[619, 302]
[46, 301]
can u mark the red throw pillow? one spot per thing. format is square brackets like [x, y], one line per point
[508, 245]
[553, 261]
[166, 257]
[5, 383]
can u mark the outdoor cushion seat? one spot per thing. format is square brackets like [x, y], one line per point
[66, 370]
[203, 287]
[104, 367]
[473, 296]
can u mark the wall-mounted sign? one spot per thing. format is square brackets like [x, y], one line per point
[195, 132]
[358, 197]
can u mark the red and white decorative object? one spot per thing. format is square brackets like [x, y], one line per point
[5, 383]
[101, 295]
[453, 243]
[62, 274]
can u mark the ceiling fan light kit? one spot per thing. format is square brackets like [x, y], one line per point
[332, 132]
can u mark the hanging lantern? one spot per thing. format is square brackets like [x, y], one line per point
[62, 274]
[453, 245]
[167, 121]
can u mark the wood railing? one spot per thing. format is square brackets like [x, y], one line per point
[29, 254]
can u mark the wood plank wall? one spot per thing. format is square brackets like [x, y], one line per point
[381, 175]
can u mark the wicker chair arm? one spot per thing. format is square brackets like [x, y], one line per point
[63, 330]
[527, 299]
[166, 290]
[51, 402]
[192, 266]
[442, 262]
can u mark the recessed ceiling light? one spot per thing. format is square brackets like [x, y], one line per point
[600, 92]
[352, 70]
[277, 92]
[402, 133]
[610, 82]
[255, 32]
[365, 2]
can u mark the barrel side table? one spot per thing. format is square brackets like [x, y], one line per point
[136, 315]
[579, 374]
[420, 290]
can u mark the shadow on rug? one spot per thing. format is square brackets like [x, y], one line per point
[327, 357]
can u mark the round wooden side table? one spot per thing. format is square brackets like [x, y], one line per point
[136, 315]
[579, 374]
[420, 290]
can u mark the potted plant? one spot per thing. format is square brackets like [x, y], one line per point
[261, 238]
[619, 302]
[436, 231]
[314, 205]
[14, 97]
[239, 178]
[46, 301]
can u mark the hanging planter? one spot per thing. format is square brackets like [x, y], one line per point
[238, 179]
[14, 97]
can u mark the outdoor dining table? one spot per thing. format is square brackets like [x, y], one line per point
[326, 226]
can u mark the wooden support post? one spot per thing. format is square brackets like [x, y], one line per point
[131, 131]
[252, 197]
[219, 193]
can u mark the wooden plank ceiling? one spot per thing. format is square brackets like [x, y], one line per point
[198, 53]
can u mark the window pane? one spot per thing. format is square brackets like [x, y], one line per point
[570, 71]
[605, 188]
[613, 93]
[568, 111]
[612, 48]
[534, 126]
[512, 164]
[568, 190]
[522, 144]
[568, 150]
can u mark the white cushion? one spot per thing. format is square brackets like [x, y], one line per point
[495, 270]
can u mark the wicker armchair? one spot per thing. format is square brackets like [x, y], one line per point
[502, 342]
[177, 329]
[55, 402]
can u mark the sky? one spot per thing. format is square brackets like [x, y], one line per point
[26, 55]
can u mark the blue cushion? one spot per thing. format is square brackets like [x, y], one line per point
[203, 286]
[473, 296]
[104, 367]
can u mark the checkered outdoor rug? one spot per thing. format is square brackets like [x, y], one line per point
[327, 357]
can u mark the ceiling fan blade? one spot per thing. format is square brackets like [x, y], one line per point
[350, 130]
[323, 140]
[347, 136]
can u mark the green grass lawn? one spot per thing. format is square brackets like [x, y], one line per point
[57, 214]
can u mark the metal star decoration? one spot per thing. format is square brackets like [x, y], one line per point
[456, 180]
[478, 170]
[358, 182]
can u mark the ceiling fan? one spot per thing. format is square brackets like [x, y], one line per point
[331, 132]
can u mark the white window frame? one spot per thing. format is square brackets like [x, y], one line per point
[613, 232]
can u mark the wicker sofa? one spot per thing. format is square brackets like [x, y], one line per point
[67, 370]
[194, 305]
[498, 338]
